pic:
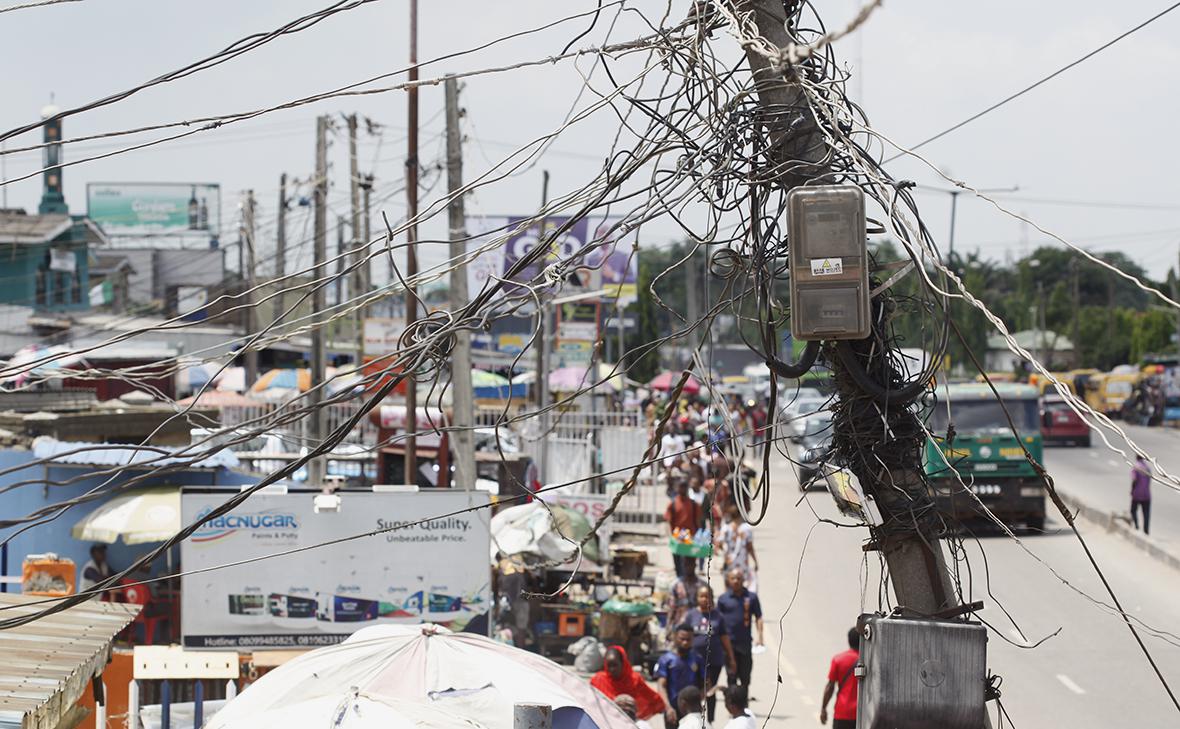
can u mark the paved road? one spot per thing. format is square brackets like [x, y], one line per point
[815, 579]
[1101, 476]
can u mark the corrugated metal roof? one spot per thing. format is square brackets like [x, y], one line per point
[45, 665]
[103, 454]
[32, 228]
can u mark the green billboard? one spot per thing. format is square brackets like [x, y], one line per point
[155, 208]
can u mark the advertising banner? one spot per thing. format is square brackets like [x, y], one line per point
[436, 571]
[155, 209]
[608, 265]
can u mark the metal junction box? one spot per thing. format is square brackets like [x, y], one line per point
[829, 263]
[922, 674]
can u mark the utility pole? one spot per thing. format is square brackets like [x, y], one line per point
[411, 472]
[546, 330]
[315, 420]
[1077, 306]
[541, 386]
[463, 397]
[251, 318]
[358, 287]
[692, 304]
[915, 558]
[951, 241]
[281, 243]
[1174, 295]
[342, 292]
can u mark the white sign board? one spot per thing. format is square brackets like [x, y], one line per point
[436, 571]
[382, 334]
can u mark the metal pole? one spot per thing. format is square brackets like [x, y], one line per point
[532, 716]
[464, 401]
[281, 241]
[315, 421]
[543, 348]
[411, 473]
[251, 316]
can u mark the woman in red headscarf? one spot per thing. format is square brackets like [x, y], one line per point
[618, 677]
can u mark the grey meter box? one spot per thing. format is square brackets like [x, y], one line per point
[829, 263]
[921, 674]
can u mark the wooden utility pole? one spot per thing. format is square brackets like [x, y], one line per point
[315, 420]
[358, 287]
[917, 565]
[281, 243]
[462, 396]
[249, 281]
[411, 472]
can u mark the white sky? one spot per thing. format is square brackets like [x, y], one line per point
[1101, 132]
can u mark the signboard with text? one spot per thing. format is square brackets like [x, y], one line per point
[155, 209]
[434, 571]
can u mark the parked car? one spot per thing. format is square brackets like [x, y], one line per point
[1060, 425]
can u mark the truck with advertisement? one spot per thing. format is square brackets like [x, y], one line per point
[989, 461]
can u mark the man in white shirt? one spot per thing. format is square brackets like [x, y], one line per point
[95, 570]
[689, 702]
[735, 703]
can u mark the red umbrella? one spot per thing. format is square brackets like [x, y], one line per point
[666, 381]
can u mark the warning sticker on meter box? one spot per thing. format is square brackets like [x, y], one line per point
[827, 266]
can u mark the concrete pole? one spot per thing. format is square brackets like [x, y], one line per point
[319, 355]
[411, 471]
[281, 241]
[251, 315]
[463, 397]
[543, 347]
[359, 286]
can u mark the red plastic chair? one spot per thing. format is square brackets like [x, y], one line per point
[141, 595]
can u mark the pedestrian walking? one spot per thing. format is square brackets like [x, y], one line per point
[737, 544]
[742, 612]
[842, 682]
[711, 641]
[736, 703]
[678, 669]
[683, 595]
[1141, 493]
[683, 514]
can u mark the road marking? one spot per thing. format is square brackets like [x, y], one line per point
[1093, 454]
[789, 668]
[807, 700]
[1066, 682]
[797, 684]
[1016, 636]
[1112, 462]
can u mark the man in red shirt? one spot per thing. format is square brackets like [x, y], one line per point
[842, 681]
[683, 514]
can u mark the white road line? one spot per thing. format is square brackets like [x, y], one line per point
[797, 684]
[1066, 682]
[1112, 462]
[789, 669]
[1093, 454]
[807, 700]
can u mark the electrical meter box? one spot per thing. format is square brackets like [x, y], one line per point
[921, 674]
[829, 262]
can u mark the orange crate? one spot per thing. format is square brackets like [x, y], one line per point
[571, 625]
[47, 575]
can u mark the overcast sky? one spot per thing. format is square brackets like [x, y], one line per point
[1099, 138]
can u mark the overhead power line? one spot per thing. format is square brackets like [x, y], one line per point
[1041, 82]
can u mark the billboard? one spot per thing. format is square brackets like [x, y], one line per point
[155, 209]
[435, 572]
[609, 265]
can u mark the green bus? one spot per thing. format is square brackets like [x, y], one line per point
[989, 459]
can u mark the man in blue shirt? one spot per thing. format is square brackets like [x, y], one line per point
[741, 611]
[677, 669]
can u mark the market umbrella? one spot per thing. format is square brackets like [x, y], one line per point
[55, 357]
[535, 530]
[462, 674]
[137, 517]
[283, 379]
[358, 710]
[483, 378]
[666, 382]
[219, 399]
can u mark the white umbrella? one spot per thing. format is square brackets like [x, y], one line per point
[463, 674]
[358, 710]
[138, 517]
